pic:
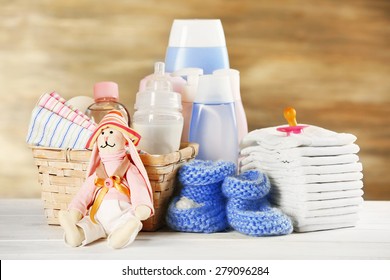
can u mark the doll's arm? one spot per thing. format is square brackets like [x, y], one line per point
[75, 215]
[143, 212]
[83, 197]
[140, 197]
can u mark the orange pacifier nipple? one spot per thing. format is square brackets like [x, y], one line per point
[290, 115]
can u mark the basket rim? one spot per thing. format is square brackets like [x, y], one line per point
[33, 147]
[187, 150]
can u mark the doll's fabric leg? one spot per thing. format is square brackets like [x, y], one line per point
[124, 235]
[73, 235]
[92, 231]
[107, 216]
[125, 229]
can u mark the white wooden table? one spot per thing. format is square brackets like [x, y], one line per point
[24, 234]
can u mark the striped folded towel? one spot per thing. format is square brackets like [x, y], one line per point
[57, 125]
[55, 103]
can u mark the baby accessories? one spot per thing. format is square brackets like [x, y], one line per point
[54, 123]
[315, 173]
[248, 210]
[200, 207]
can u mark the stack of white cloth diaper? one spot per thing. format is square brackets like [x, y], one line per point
[316, 175]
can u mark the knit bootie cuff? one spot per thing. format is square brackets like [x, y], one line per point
[204, 193]
[206, 218]
[268, 222]
[248, 210]
[204, 172]
[251, 184]
[261, 204]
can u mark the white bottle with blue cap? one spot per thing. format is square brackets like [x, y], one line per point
[196, 43]
[213, 121]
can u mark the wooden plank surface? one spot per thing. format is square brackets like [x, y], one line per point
[329, 59]
[25, 235]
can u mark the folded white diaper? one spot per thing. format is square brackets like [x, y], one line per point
[317, 227]
[285, 154]
[274, 161]
[319, 187]
[318, 204]
[298, 195]
[316, 175]
[308, 179]
[275, 172]
[314, 136]
[301, 213]
[345, 218]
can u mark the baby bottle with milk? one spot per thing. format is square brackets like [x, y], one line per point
[242, 124]
[188, 95]
[213, 121]
[106, 95]
[157, 117]
[196, 43]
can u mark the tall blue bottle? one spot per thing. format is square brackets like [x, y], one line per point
[197, 43]
[213, 122]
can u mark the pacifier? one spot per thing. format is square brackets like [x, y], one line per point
[293, 127]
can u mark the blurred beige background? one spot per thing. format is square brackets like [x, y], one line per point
[329, 59]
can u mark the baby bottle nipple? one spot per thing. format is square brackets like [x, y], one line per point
[290, 116]
[159, 81]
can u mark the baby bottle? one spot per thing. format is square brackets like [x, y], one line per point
[106, 95]
[197, 43]
[242, 124]
[177, 82]
[188, 95]
[213, 122]
[157, 117]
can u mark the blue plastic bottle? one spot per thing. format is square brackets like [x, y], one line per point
[213, 121]
[197, 43]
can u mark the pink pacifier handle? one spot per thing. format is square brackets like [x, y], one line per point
[290, 116]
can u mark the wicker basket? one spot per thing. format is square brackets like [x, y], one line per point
[62, 172]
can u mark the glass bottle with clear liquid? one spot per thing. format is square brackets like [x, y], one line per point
[106, 95]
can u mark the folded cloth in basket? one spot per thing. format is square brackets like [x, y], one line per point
[56, 104]
[56, 124]
[51, 130]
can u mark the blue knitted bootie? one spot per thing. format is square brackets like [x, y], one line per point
[204, 172]
[201, 205]
[248, 209]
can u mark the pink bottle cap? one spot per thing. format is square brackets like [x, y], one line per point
[106, 90]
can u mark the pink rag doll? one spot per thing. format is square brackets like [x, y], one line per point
[116, 195]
